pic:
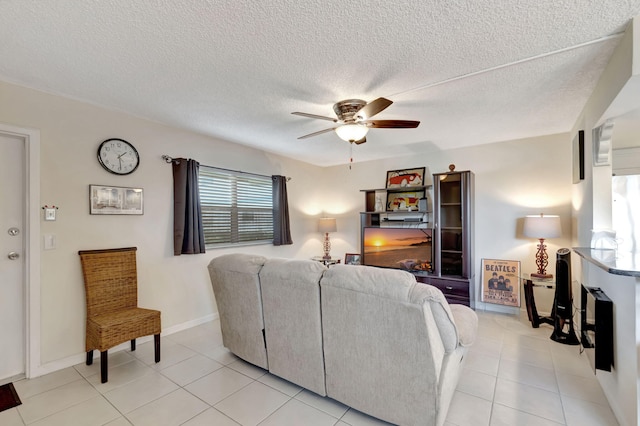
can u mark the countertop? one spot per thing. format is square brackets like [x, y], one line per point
[624, 263]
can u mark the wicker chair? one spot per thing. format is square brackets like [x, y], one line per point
[113, 315]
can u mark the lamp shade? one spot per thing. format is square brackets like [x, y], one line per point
[351, 132]
[327, 224]
[541, 226]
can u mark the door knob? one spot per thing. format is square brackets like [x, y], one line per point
[13, 255]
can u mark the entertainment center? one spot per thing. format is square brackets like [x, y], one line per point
[434, 241]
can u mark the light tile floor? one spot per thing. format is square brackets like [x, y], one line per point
[514, 375]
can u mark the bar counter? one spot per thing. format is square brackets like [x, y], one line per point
[622, 263]
[618, 275]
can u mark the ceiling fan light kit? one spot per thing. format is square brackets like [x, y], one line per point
[353, 119]
[352, 132]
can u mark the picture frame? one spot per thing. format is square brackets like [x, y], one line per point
[352, 259]
[404, 201]
[105, 200]
[405, 178]
[578, 156]
[501, 282]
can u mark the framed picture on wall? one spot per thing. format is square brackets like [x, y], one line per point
[501, 282]
[115, 200]
[578, 157]
[405, 178]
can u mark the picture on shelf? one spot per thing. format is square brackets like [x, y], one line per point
[405, 178]
[352, 259]
[404, 201]
[501, 282]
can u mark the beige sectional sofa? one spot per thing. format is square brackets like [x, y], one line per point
[371, 338]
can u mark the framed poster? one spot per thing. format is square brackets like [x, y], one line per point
[405, 178]
[115, 200]
[501, 282]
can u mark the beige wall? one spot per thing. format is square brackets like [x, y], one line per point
[592, 197]
[513, 179]
[179, 286]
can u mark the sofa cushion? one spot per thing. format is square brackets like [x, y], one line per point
[400, 286]
[293, 322]
[239, 262]
[236, 286]
[388, 283]
[387, 339]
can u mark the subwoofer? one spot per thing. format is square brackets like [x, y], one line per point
[562, 312]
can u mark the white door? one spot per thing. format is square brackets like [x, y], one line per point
[12, 263]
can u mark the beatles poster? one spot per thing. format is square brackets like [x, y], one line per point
[501, 282]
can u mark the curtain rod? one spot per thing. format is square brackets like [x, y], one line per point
[169, 160]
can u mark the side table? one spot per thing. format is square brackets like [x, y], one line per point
[326, 262]
[529, 284]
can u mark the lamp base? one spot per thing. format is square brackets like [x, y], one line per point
[537, 275]
[326, 257]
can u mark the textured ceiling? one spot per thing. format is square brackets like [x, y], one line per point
[472, 72]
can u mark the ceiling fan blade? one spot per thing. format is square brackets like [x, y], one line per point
[372, 108]
[361, 141]
[316, 133]
[320, 117]
[392, 124]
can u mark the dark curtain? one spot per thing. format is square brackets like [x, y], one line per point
[188, 236]
[281, 229]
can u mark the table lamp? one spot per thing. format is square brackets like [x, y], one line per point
[326, 225]
[541, 227]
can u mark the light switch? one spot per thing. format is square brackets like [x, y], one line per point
[49, 241]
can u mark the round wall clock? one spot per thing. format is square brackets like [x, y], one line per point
[118, 156]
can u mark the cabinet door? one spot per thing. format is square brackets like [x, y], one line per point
[453, 223]
[449, 224]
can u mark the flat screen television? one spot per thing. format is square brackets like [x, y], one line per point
[400, 248]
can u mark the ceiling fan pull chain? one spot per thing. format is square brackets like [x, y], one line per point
[350, 154]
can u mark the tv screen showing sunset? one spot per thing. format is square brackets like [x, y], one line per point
[402, 248]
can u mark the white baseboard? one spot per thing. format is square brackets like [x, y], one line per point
[189, 324]
[70, 361]
[492, 307]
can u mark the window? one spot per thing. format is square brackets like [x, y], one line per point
[237, 208]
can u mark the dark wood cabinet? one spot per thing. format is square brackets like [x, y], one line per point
[453, 210]
[455, 290]
[449, 220]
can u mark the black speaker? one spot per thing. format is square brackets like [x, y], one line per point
[563, 300]
[562, 312]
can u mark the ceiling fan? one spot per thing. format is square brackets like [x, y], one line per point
[354, 120]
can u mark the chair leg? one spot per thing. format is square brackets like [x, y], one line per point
[103, 367]
[156, 346]
[133, 345]
[90, 357]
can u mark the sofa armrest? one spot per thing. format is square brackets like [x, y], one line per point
[466, 324]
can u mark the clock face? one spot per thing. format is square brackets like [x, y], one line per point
[118, 156]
